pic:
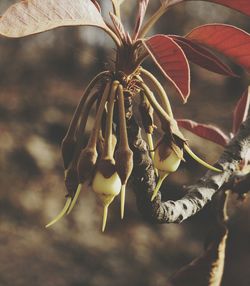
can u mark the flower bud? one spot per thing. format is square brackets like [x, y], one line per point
[170, 162]
[106, 184]
[167, 159]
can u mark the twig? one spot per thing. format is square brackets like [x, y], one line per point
[197, 195]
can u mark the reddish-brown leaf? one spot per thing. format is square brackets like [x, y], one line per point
[205, 131]
[35, 16]
[240, 5]
[202, 57]
[241, 110]
[228, 40]
[172, 61]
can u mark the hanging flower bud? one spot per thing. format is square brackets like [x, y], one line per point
[85, 168]
[106, 184]
[167, 159]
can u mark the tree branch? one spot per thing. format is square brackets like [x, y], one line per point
[197, 195]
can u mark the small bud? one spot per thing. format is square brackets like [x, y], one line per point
[106, 184]
[168, 163]
[167, 159]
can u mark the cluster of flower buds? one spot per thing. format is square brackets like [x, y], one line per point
[105, 163]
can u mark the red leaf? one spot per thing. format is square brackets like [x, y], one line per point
[172, 61]
[240, 5]
[205, 131]
[241, 110]
[228, 40]
[202, 57]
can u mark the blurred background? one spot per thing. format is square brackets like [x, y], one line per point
[41, 80]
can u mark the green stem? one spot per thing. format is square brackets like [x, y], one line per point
[160, 90]
[82, 126]
[164, 117]
[107, 152]
[122, 119]
[94, 134]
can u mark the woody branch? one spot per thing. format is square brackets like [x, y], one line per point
[198, 194]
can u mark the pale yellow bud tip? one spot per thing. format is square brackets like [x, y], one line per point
[61, 214]
[123, 194]
[200, 161]
[74, 199]
[105, 215]
[159, 183]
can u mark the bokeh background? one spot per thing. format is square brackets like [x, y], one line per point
[41, 80]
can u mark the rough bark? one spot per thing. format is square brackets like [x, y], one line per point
[197, 195]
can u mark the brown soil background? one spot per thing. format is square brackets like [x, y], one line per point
[41, 80]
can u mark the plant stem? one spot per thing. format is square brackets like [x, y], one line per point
[159, 110]
[122, 119]
[82, 126]
[77, 113]
[107, 150]
[160, 90]
[94, 134]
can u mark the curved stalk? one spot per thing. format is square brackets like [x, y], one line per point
[82, 126]
[157, 107]
[82, 101]
[94, 134]
[160, 90]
